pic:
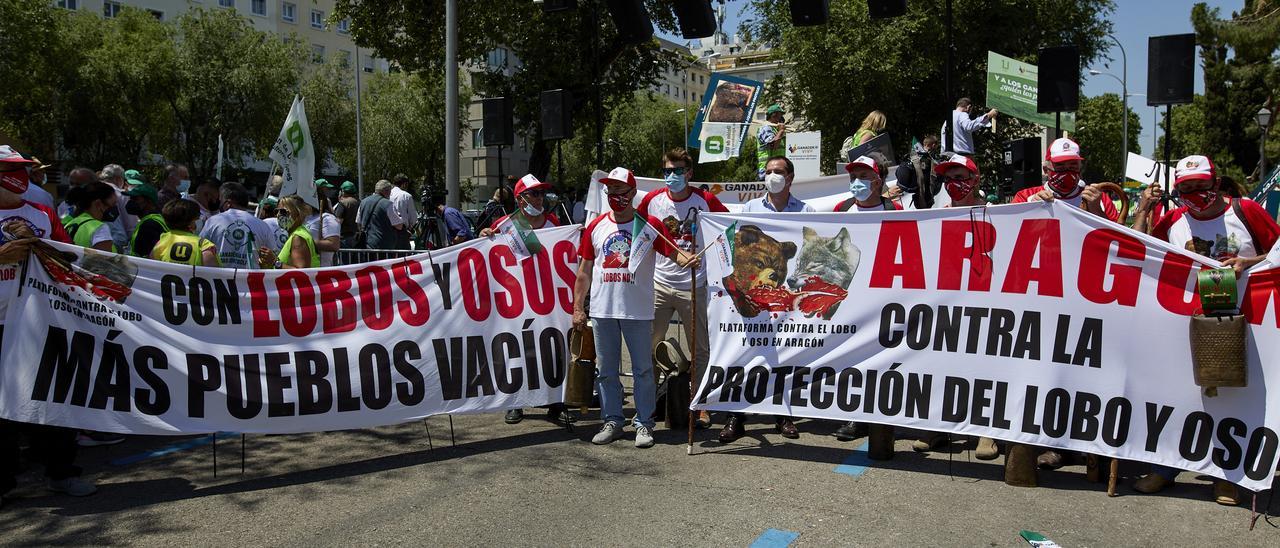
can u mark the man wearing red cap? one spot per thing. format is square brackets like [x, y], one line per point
[866, 183]
[616, 271]
[20, 222]
[1062, 165]
[1238, 232]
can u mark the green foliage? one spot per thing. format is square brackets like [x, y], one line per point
[1099, 131]
[331, 109]
[38, 62]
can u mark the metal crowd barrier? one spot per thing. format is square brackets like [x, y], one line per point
[358, 256]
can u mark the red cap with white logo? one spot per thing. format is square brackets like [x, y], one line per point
[8, 155]
[529, 182]
[957, 160]
[620, 175]
[1063, 149]
[1192, 168]
[864, 162]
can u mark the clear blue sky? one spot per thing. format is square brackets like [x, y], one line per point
[1134, 21]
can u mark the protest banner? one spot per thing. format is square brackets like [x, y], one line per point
[729, 102]
[720, 141]
[294, 152]
[804, 149]
[1012, 88]
[1147, 171]
[127, 345]
[1034, 323]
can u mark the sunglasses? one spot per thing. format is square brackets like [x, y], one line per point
[672, 170]
[533, 193]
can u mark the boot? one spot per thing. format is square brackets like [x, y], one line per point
[1020, 465]
[732, 429]
[930, 441]
[1225, 493]
[880, 442]
[1151, 483]
[850, 431]
[988, 450]
[1050, 460]
[787, 428]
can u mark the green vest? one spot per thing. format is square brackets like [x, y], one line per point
[81, 229]
[763, 153]
[181, 247]
[305, 234]
[154, 217]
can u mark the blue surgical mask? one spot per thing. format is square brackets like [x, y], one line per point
[675, 181]
[531, 211]
[184, 185]
[861, 189]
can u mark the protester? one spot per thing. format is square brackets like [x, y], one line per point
[113, 175]
[621, 305]
[78, 177]
[457, 229]
[345, 210]
[299, 250]
[375, 218]
[177, 181]
[771, 139]
[267, 211]
[579, 212]
[207, 196]
[180, 245]
[404, 212]
[871, 126]
[240, 238]
[52, 445]
[151, 225]
[35, 191]
[960, 140]
[502, 203]
[866, 184]
[1062, 166]
[677, 206]
[96, 203]
[530, 206]
[326, 230]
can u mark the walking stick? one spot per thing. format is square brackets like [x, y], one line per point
[693, 353]
[1115, 474]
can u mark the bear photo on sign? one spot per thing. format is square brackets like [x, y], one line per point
[760, 281]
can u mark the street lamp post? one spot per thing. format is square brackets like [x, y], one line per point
[684, 118]
[1124, 111]
[1264, 122]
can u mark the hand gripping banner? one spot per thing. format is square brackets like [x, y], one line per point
[126, 345]
[1033, 323]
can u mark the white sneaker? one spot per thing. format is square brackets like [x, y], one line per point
[644, 437]
[73, 486]
[607, 434]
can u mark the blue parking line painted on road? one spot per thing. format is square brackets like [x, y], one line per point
[774, 538]
[856, 463]
[197, 442]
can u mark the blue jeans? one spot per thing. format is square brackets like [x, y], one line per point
[610, 334]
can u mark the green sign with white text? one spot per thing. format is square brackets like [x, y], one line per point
[1012, 89]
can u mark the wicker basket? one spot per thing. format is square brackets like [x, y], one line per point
[1218, 351]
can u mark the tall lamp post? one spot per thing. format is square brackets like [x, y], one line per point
[1264, 122]
[1124, 112]
[685, 118]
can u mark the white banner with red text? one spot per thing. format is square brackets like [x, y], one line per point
[1032, 323]
[119, 344]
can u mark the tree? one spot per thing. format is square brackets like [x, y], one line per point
[1099, 131]
[1188, 134]
[840, 71]
[38, 62]
[331, 113]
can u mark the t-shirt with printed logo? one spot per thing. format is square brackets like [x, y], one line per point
[44, 223]
[1222, 237]
[675, 216]
[615, 291]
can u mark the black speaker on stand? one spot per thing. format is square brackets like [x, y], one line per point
[497, 129]
[696, 18]
[807, 13]
[1058, 80]
[884, 9]
[557, 122]
[1171, 72]
[1022, 164]
[631, 20]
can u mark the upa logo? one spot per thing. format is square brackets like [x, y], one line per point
[714, 144]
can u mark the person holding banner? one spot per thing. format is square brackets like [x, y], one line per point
[25, 221]
[1238, 232]
[299, 250]
[180, 245]
[616, 272]
[771, 139]
[676, 206]
[96, 203]
[866, 184]
[1062, 167]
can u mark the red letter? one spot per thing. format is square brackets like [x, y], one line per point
[954, 250]
[1263, 287]
[475, 284]
[1094, 255]
[339, 306]
[537, 283]
[417, 309]
[375, 307]
[1036, 237]
[510, 303]
[1172, 290]
[297, 303]
[263, 325]
[895, 235]
[566, 256]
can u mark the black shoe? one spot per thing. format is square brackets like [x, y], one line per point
[732, 429]
[850, 431]
[514, 416]
[559, 414]
[787, 428]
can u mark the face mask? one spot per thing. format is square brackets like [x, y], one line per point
[133, 208]
[285, 220]
[1064, 184]
[861, 189]
[775, 182]
[675, 182]
[1199, 200]
[110, 214]
[15, 181]
[184, 185]
[959, 190]
[531, 211]
[619, 203]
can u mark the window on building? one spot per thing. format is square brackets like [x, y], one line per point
[317, 53]
[477, 138]
[317, 19]
[258, 7]
[111, 9]
[367, 63]
[497, 58]
[289, 11]
[159, 15]
[69, 4]
[226, 3]
[344, 26]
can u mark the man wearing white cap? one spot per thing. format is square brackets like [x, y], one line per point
[1238, 232]
[866, 182]
[1062, 166]
[621, 302]
[530, 193]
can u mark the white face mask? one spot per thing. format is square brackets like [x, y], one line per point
[775, 182]
[532, 211]
[861, 189]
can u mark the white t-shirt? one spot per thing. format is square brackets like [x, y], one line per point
[615, 291]
[38, 195]
[671, 213]
[1222, 237]
[44, 223]
[320, 230]
[103, 234]
[280, 235]
[404, 210]
[238, 235]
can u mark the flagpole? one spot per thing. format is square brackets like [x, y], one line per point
[266, 188]
[693, 350]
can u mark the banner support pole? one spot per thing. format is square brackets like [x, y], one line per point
[693, 343]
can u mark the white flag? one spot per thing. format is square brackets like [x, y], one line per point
[643, 236]
[720, 141]
[292, 150]
[217, 168]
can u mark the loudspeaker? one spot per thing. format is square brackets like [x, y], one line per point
[1022, 162]
[696, 18]
[552, 6]
[1171, 69]
[805, 13]
[557, 114]
[631, 20]
[1058, 79]
[497, 129]
[881, 9]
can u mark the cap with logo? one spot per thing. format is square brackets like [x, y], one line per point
[620, 175]
[529, 182]
[774, 108]
[1192, 168]
[863, 161]
[348, 187]
[1062, 150]
[957, 160]
[322, 183]
[11, 156]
